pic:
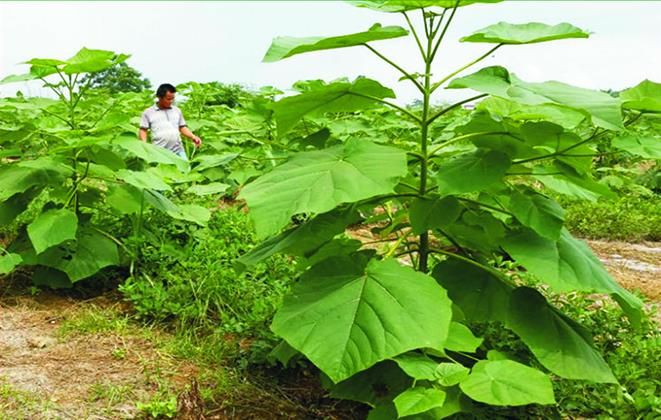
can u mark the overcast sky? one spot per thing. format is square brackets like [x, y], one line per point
[204, 41]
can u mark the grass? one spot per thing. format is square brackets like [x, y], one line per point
[631, 218]
[186, 280]
[20, 404]
[94, 319]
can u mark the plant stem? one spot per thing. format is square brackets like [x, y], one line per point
[423, 249]
[415, 34]
[453, 106]
[464, 67]
[465, 137]
[445, 29]
[467, 260]
[561, 152]
[486, 206]
[395, 65]
[390, 104]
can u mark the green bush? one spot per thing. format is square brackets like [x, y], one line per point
[631, 353]
[186, 276]
[627, 217]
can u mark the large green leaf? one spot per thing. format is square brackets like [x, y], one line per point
[125, 198]
[143, 180]
[8, 262]
[79, 259]
[603, 109]
[348, 313]
[461, 338]
[644, 97]
[432, 213]
[303, 239]
[499, 108]
[17, 204]
[192, 213]
[538, 212]
[213, 188]
[561, 345]
[417, 366]
[52, 227]
[566, 265]
[342, 96]
[318, 181]
[393, 6]
[566, 180]
[505, 382]
[283, 47]
[449, 374]
[477, 229]
[88, 61]
[471, 172]
[213, 161]
[149, 152]
[84, 61]
[13, 78]
[645, 147]
[16, 179]
[479, 293]
[524, 33]
[494, 80]
[418, 400]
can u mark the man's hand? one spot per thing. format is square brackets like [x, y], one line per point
[187, 133]
[142, 134]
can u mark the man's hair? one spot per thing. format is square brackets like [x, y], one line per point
[164, 89]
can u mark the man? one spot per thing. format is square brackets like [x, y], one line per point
[166, 122]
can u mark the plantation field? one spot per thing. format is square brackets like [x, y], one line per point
[329, 252]
[124, 369]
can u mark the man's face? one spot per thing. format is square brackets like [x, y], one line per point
[167, 100]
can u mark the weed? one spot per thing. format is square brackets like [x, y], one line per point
[94, 320]
[187, 276]
[629, 218]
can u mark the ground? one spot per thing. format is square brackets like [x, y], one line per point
[65, 358]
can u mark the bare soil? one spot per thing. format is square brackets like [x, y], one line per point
[634, 266]
[70, 378]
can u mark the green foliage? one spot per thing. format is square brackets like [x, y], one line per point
[159, 407]
[74, 160]
[528, 33]
[119, 78]
[213, 94]
[463, 201]
[628, 217]
[186, 276]
[632, 353]
[284, 47]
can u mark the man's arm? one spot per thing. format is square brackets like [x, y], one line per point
[142, 134]
[187, 133]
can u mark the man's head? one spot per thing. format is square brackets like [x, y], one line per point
[165, 94]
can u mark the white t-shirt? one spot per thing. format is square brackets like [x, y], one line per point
[164, 124]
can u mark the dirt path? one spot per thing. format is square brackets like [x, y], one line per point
[46, 373]
[634, 266]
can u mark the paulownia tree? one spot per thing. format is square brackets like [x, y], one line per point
[391, 328]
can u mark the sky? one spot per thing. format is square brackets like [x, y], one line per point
[225, 41]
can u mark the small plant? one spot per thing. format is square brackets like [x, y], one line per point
[159, 407]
